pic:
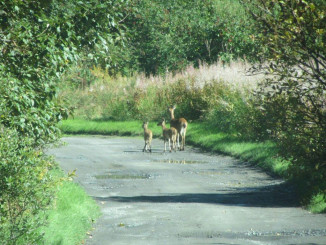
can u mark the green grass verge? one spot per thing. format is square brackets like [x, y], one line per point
[72, 216]
[318, 204]
[263, 154]
[127, 128]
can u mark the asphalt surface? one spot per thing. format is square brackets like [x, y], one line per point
[186, 197]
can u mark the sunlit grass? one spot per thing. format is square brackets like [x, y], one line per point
[264, 154]
[72, 215]
[318, 204]
[126, 128]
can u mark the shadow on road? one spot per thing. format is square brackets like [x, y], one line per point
[274, 196]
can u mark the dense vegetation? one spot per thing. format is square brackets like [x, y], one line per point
[39, 39]
[294, 98]
[169, 35]
[93, 42]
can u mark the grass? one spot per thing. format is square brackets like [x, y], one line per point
[263, 154]
[318, 204]
[72, 216]
[127, 128]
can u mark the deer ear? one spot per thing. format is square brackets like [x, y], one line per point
[174, 106]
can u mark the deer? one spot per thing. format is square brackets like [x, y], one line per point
[169, 134]
[181, 125]
[148, 136]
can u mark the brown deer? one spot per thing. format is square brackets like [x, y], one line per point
[181, 126]
[169, 134]
[148, 135]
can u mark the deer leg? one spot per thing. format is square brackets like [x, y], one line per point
[183, 142]
[178, 140]
[184, 138]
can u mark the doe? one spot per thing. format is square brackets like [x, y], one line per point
[169, 134]
[148, 135]
[181, 125]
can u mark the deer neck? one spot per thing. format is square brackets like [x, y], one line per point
[163, 126]
[172, 115]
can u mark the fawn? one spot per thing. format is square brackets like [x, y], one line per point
[148, 135]
[169, 134]
[181, 126]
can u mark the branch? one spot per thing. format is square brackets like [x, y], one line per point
[124, 18]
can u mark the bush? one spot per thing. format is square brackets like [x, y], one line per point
[230, 109]
[292, 99]
[32, 114]
[26, 189]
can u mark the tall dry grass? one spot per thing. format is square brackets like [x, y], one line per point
[236, 74]
[146, 97]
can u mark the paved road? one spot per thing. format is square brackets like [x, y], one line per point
[185, 197]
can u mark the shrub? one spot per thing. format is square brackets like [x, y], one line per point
[26, 189]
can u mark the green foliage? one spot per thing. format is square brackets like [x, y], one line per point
[30, 113]
[26, 189]
[293, 98]
[38, 41]
[230, 105]
[318, 203]
[293, 30]
[168, 35]
[47, 35]
[120, 98]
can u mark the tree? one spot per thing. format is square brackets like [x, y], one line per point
[169, 35]
[293, 34]
[38, 41]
